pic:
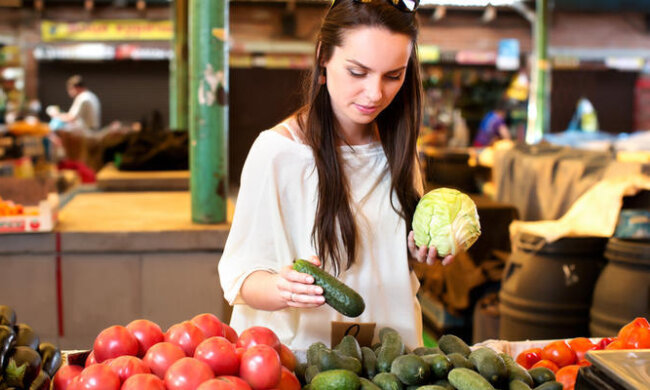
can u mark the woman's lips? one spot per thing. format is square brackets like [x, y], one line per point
[366, 109]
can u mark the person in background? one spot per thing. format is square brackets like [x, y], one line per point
[336, 183]
[85, 111]
[493, 127]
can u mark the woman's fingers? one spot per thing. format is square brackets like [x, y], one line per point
[315, 260]
[410, 242]
[297, 289]
[447, 260]
[431, 255]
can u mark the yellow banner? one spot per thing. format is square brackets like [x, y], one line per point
[107, 30]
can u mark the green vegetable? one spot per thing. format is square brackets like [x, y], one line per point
[387, 381]
[310, 373]
[333, 360]
[431, 387]
[446, 219]
[440, 365]
[489, 365]
[341, 297]
[312, 352]
[421, 351]
[515, 370]
[444, 384]
[336, 380]
[369, 362]
[391, 347]
[366, 384]
[518, 385]
[453, 344]
[349, 346]
[459, 361]
[552, 385]
[466, 379]
[410, 369]
[541, 375]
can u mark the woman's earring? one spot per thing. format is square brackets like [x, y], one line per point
[321, 77]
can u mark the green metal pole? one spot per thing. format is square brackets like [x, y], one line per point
[538, 104]
[208, 109]
[178, 79]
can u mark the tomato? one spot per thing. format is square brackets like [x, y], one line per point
[605, 341]
[90, 360]
[261, 367]
[638, 322]
[98, 376]
[581, 345]
[559, 353]
[638, 338]
[162, 355]
[236, 381]
[230, 333]
[126, 366]
[187, 374]
[147, 333]
[617, 344]
[186, 335]
[528, 357]
[219, 354]
[546, 363]
[288, 381]
[209, 325]
[287, 358]
[567, 376]
[216, 384]
[257, 335]
[65, 375]
[114, 341]
[143, 382]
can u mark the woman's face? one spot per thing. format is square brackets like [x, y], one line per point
[365, 73]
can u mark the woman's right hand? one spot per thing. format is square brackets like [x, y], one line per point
[298, 289]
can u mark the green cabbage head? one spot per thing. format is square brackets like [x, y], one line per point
[446, 219]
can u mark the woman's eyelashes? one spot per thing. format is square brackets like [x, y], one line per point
[360, 74]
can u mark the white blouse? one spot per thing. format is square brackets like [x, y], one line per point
[272, 226]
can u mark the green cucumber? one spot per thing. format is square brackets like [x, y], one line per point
[336, 380]
[341, 297]
[312, 352]
[440, 365]
[444, 383]
[551, 385]
[541, 375]
[410, 369]
[369, 362]
[387, 381]
[489, 365]
[449, 343]
[366, 384]
[333, 360]
[349, 346]
[460, 361]
[421, 351]
[466, 379]
[518, 385]
[515, 371]
[310, 373]
[391, 347]
[430, 387]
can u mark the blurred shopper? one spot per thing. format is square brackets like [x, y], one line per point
[493, 127]
[85, 112]
[336, 183]
[585, 117]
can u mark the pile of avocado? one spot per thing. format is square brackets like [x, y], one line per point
[390, 366]
[25, 362]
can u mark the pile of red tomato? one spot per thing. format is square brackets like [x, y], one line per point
[202, 353]
[565, 357]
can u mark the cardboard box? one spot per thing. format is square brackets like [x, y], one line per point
[41, 218]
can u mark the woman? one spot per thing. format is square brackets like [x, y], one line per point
[336, 183]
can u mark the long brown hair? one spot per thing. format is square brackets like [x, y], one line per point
[398, 127]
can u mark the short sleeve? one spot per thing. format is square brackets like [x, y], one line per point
[255, 241]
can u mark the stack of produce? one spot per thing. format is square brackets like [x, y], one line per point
[9, 208]
[565, 357]
[202, 353]
[25, 362]
[390, 366]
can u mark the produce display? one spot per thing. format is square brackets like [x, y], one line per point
[447, 219]
[25, 361]
[390, 366]
[565, 357]
[9, 208]
[202, 353]
[339, 296]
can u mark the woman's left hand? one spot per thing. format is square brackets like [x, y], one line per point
[424, 254]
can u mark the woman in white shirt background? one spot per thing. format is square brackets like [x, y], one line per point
[336, 183]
